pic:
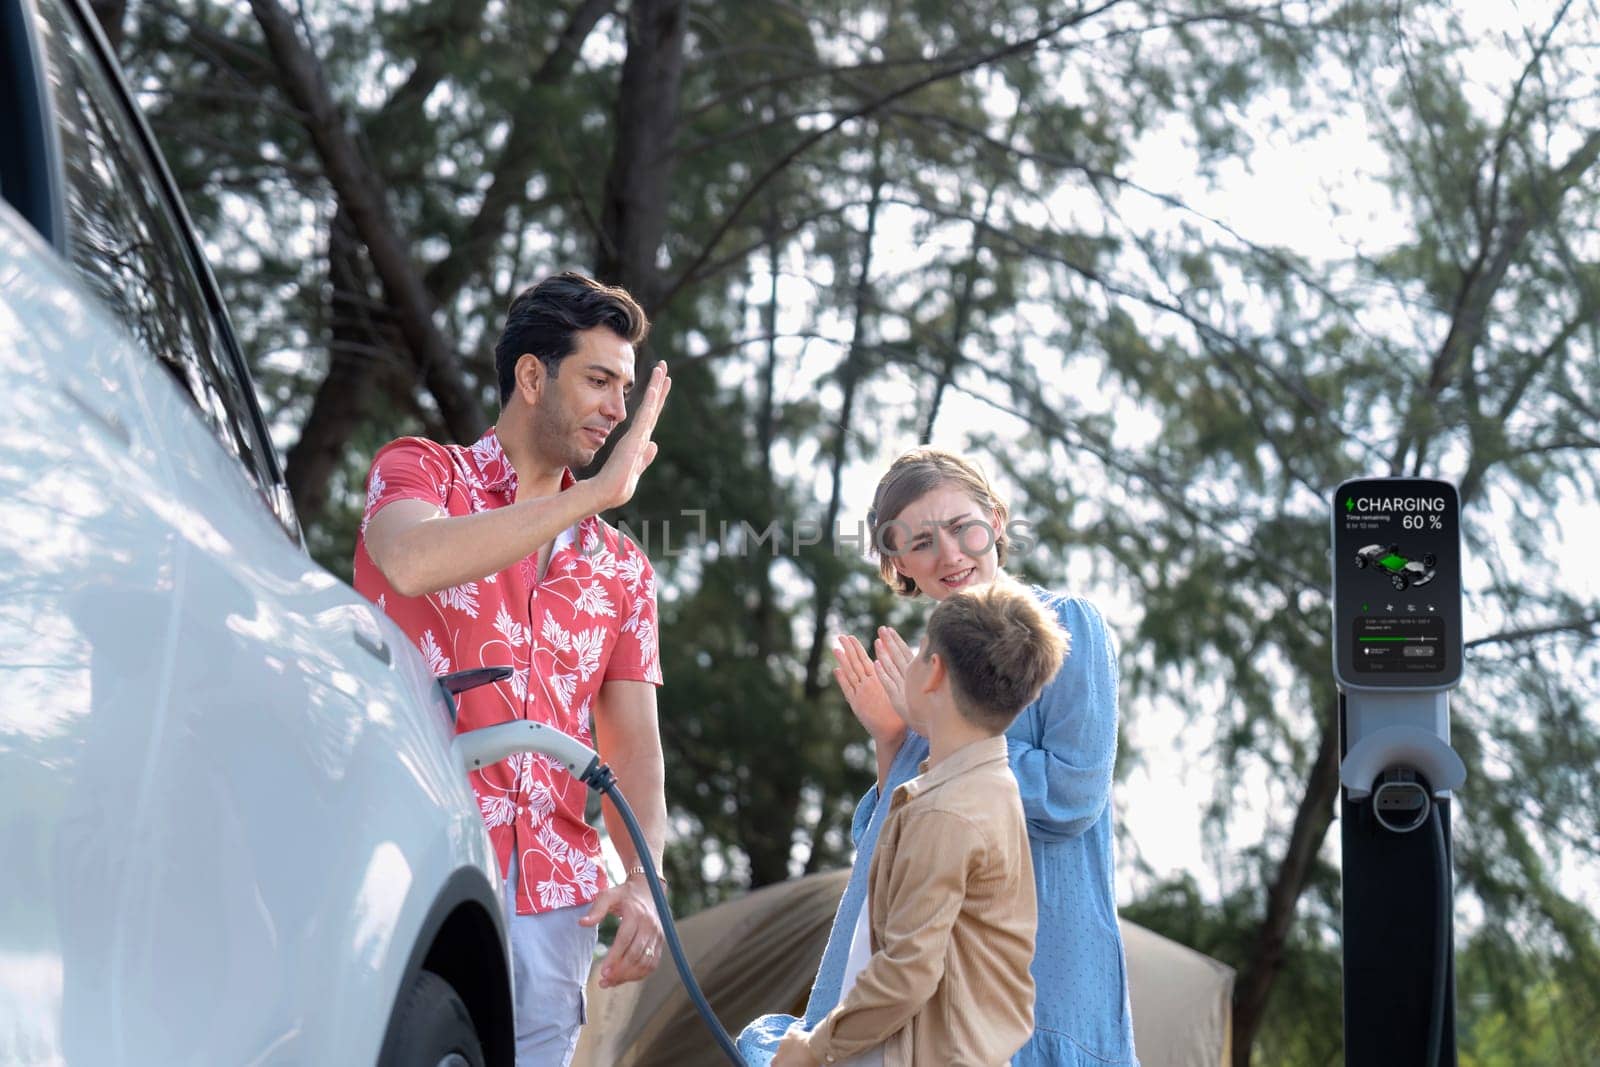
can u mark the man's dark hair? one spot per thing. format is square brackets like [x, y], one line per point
[1000, 647]
[543, 319]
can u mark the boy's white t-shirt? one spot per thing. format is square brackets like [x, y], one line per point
[860, 953]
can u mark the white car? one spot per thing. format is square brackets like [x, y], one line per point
[233, 829]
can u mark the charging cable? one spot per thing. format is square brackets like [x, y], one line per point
[1443, 934]
[1401, 802]
[476, 749]
[599, 778]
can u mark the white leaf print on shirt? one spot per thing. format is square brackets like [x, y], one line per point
[375, 490]
[551, 842]
[554, 894]
[554, 636]
[588, 646]
[647, 647]
[594, 602]
[518, 765]
[541, 801]
[463, 597]
[497, 811]
[519, 682]
[632, 570]
[603, 564]
[438, 662]
[564, 686]
[586, 871]
[487, 450]
[515, 633]
[634, 614]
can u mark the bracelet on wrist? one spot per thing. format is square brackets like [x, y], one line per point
[638, 868]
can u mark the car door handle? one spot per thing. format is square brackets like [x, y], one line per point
[375, 645]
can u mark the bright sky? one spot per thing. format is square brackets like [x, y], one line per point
[1322, 198]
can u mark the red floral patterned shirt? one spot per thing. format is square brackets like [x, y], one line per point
[591, 620]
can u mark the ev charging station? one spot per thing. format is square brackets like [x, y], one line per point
[1397, 654]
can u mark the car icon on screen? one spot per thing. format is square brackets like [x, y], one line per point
[1403, 572]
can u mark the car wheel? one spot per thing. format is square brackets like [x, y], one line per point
[1398, 581]
[432, 1027]
[1361, 562]
[1429, 560]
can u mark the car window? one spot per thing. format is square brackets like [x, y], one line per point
[27, 149]
[129, 246]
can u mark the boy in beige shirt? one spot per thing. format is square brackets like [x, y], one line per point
[952, 900]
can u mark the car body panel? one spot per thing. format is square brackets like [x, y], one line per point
[85, 549]
[232, 823]
[338, 737]
[233, 814]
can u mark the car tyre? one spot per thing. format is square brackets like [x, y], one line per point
[432, 1027]
[1398, 581]
[1361, 562]
[1429, 560]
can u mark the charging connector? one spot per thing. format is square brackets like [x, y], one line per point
[1400, 802]
[490, 744]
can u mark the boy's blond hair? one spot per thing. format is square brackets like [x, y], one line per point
[1000, 647]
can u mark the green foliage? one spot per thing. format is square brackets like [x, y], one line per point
[962, 248]
[1517, 1007]
[1309, 1035]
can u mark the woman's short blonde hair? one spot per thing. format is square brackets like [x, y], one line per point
[911, 477]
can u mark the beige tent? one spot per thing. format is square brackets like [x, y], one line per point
[758, 954]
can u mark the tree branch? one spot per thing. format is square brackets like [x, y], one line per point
[363, 196]
[945, 71]
[850, 379]
[1311, 821]
[529, 132]
[1528, 633]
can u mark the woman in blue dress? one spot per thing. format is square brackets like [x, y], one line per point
[940, 527]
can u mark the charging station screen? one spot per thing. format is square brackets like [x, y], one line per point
[1397, 583]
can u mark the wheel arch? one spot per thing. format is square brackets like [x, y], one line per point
[461, 931]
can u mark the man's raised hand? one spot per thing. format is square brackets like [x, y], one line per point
[619, 478]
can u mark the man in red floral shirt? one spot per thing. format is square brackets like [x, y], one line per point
[493, 555]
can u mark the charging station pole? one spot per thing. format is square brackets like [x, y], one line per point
[1397, 654]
